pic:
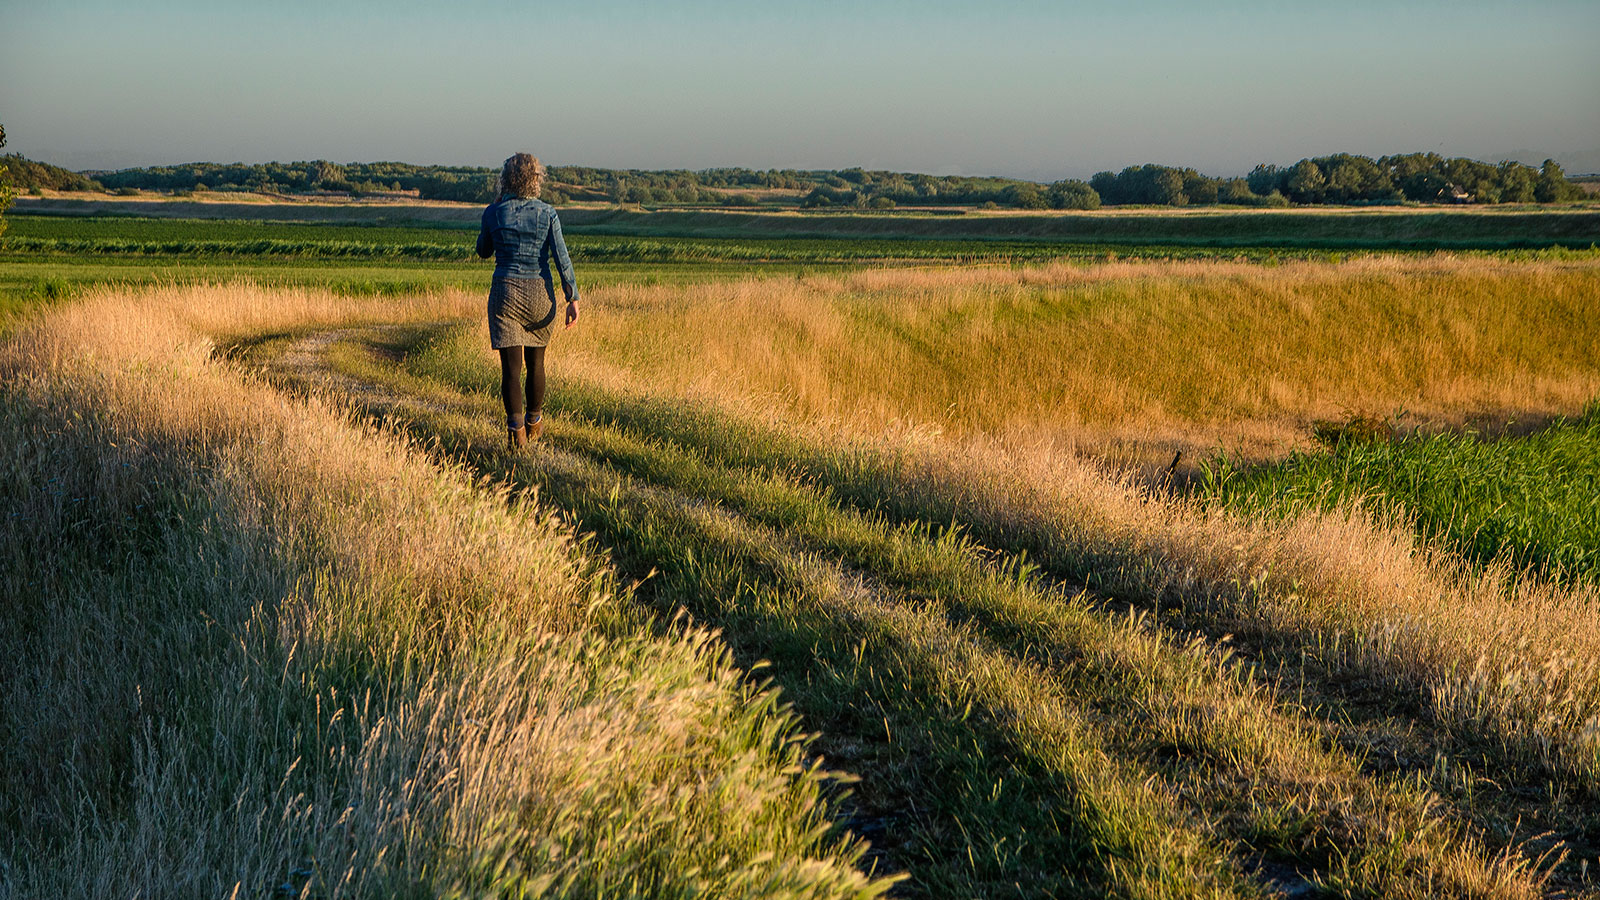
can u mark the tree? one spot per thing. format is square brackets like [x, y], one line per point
[819, 196]
[1516, 183]
[1237, 191]
[324, 172]
[1305, 183]
[1264, 179]
[1023, 196]
[1353, 179]
[1417, 175]
[1167, 187]
[1105, 184]
[1199, 188]
[1553, 186]
[7, 193]
[1071, 194]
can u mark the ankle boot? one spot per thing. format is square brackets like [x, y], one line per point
[535, 427]
[516, 438]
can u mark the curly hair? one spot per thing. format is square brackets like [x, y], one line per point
[522, 176]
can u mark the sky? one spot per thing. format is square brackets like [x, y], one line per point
[1040, 90]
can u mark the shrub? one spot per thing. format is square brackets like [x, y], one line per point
[1072, 194]
[1237, 191]
[1023, 196]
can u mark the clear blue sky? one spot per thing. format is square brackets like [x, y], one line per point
[1032, 89]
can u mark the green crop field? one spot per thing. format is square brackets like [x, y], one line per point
[203, 238]
[1528, 500]
[1358, 228]
[881, 559]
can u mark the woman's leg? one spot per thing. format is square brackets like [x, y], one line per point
[511, 383]
[535, 382]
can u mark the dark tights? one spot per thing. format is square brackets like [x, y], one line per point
[511, 381]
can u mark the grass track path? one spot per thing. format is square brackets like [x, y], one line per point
[1013, 736]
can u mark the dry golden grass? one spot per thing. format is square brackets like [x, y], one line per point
[1078, 694]
[1153, 355]
[1517, 661]
[441, 712]
[977, 379]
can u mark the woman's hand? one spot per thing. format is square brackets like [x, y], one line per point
[572, 312]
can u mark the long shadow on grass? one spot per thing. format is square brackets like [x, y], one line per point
[1373, 716]
[954, 793]
[967, 787]
[1001, 600]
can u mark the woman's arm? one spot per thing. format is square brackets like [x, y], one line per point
[569, 282]
[485, 240]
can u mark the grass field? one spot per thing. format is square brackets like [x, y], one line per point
[827, 581]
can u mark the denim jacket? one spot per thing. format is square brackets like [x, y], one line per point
[522, 233]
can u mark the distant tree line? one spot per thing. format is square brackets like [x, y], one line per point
[1342, 178]
[852, 188]
[466, 183]
[1345, 178]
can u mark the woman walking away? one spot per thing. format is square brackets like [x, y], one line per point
[523, 232]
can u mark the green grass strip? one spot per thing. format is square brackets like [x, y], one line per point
[1532, 499]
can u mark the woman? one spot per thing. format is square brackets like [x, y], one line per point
[523, 232]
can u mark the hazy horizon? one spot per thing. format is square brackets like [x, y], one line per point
[1030, 90]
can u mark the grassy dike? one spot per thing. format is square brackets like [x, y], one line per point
[258, 648]
[1141, 356]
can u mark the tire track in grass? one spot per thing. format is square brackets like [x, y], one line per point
[1291, 798]
[1043, 747]
[1385, 725]
[953, 745]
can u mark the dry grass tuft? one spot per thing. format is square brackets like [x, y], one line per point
[1513, 658]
